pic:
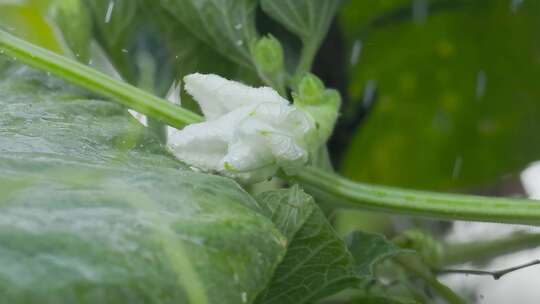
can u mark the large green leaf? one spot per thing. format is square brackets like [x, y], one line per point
[309, 19]
[317, 262]
[152, 49]
[357, 17]
[457, 93]
[74, 22]
[92, 210]
[227, 26]
[186, 54]
[116, 25]
[59, 25]
[27, 20]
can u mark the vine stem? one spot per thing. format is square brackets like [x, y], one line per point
[421, 203]
[482, 251]
[95, 81]
[334, 187]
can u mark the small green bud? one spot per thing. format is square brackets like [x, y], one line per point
[320, 103]
[311, 90]
[268, 55]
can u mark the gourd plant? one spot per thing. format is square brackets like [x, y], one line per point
[98, 207]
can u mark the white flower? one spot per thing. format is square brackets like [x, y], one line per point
[249, 132]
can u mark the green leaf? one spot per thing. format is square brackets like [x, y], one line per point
[116, 25]
[186, 54]
[357, 17]
[455, 106]
[150, 31]
[27, 20]
[309, 19]
[317, 262]
[369, 249]
[59, 25]
[93, 210]
[74, 22]
[380, 299]
[227, 26]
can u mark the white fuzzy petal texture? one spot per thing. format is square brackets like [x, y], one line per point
[218, 96]
[250, 132]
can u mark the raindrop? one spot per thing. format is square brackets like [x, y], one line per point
[238, 26]
[356, 51]
[244, 297]
[420, 10]
[481, 82]
[457, 167]
[110, 9]
[239, 42]
[125, 51]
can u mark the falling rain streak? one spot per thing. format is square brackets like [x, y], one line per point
[420, 10]
[515, 5]
[369, 93]
[457, 167]
[110, 9]
[356, 52]
[481, 82]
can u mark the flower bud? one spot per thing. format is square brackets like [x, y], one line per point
[311, 90]
[268, 55]
[321, 103]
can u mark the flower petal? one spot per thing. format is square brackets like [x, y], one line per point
[281, 130]
[250, 161]
[201, 145]
[217, 96]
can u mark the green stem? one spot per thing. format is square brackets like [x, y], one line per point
[306, 58]
[336, 188]
[420, 203]
[95, 81]
[486, 250]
